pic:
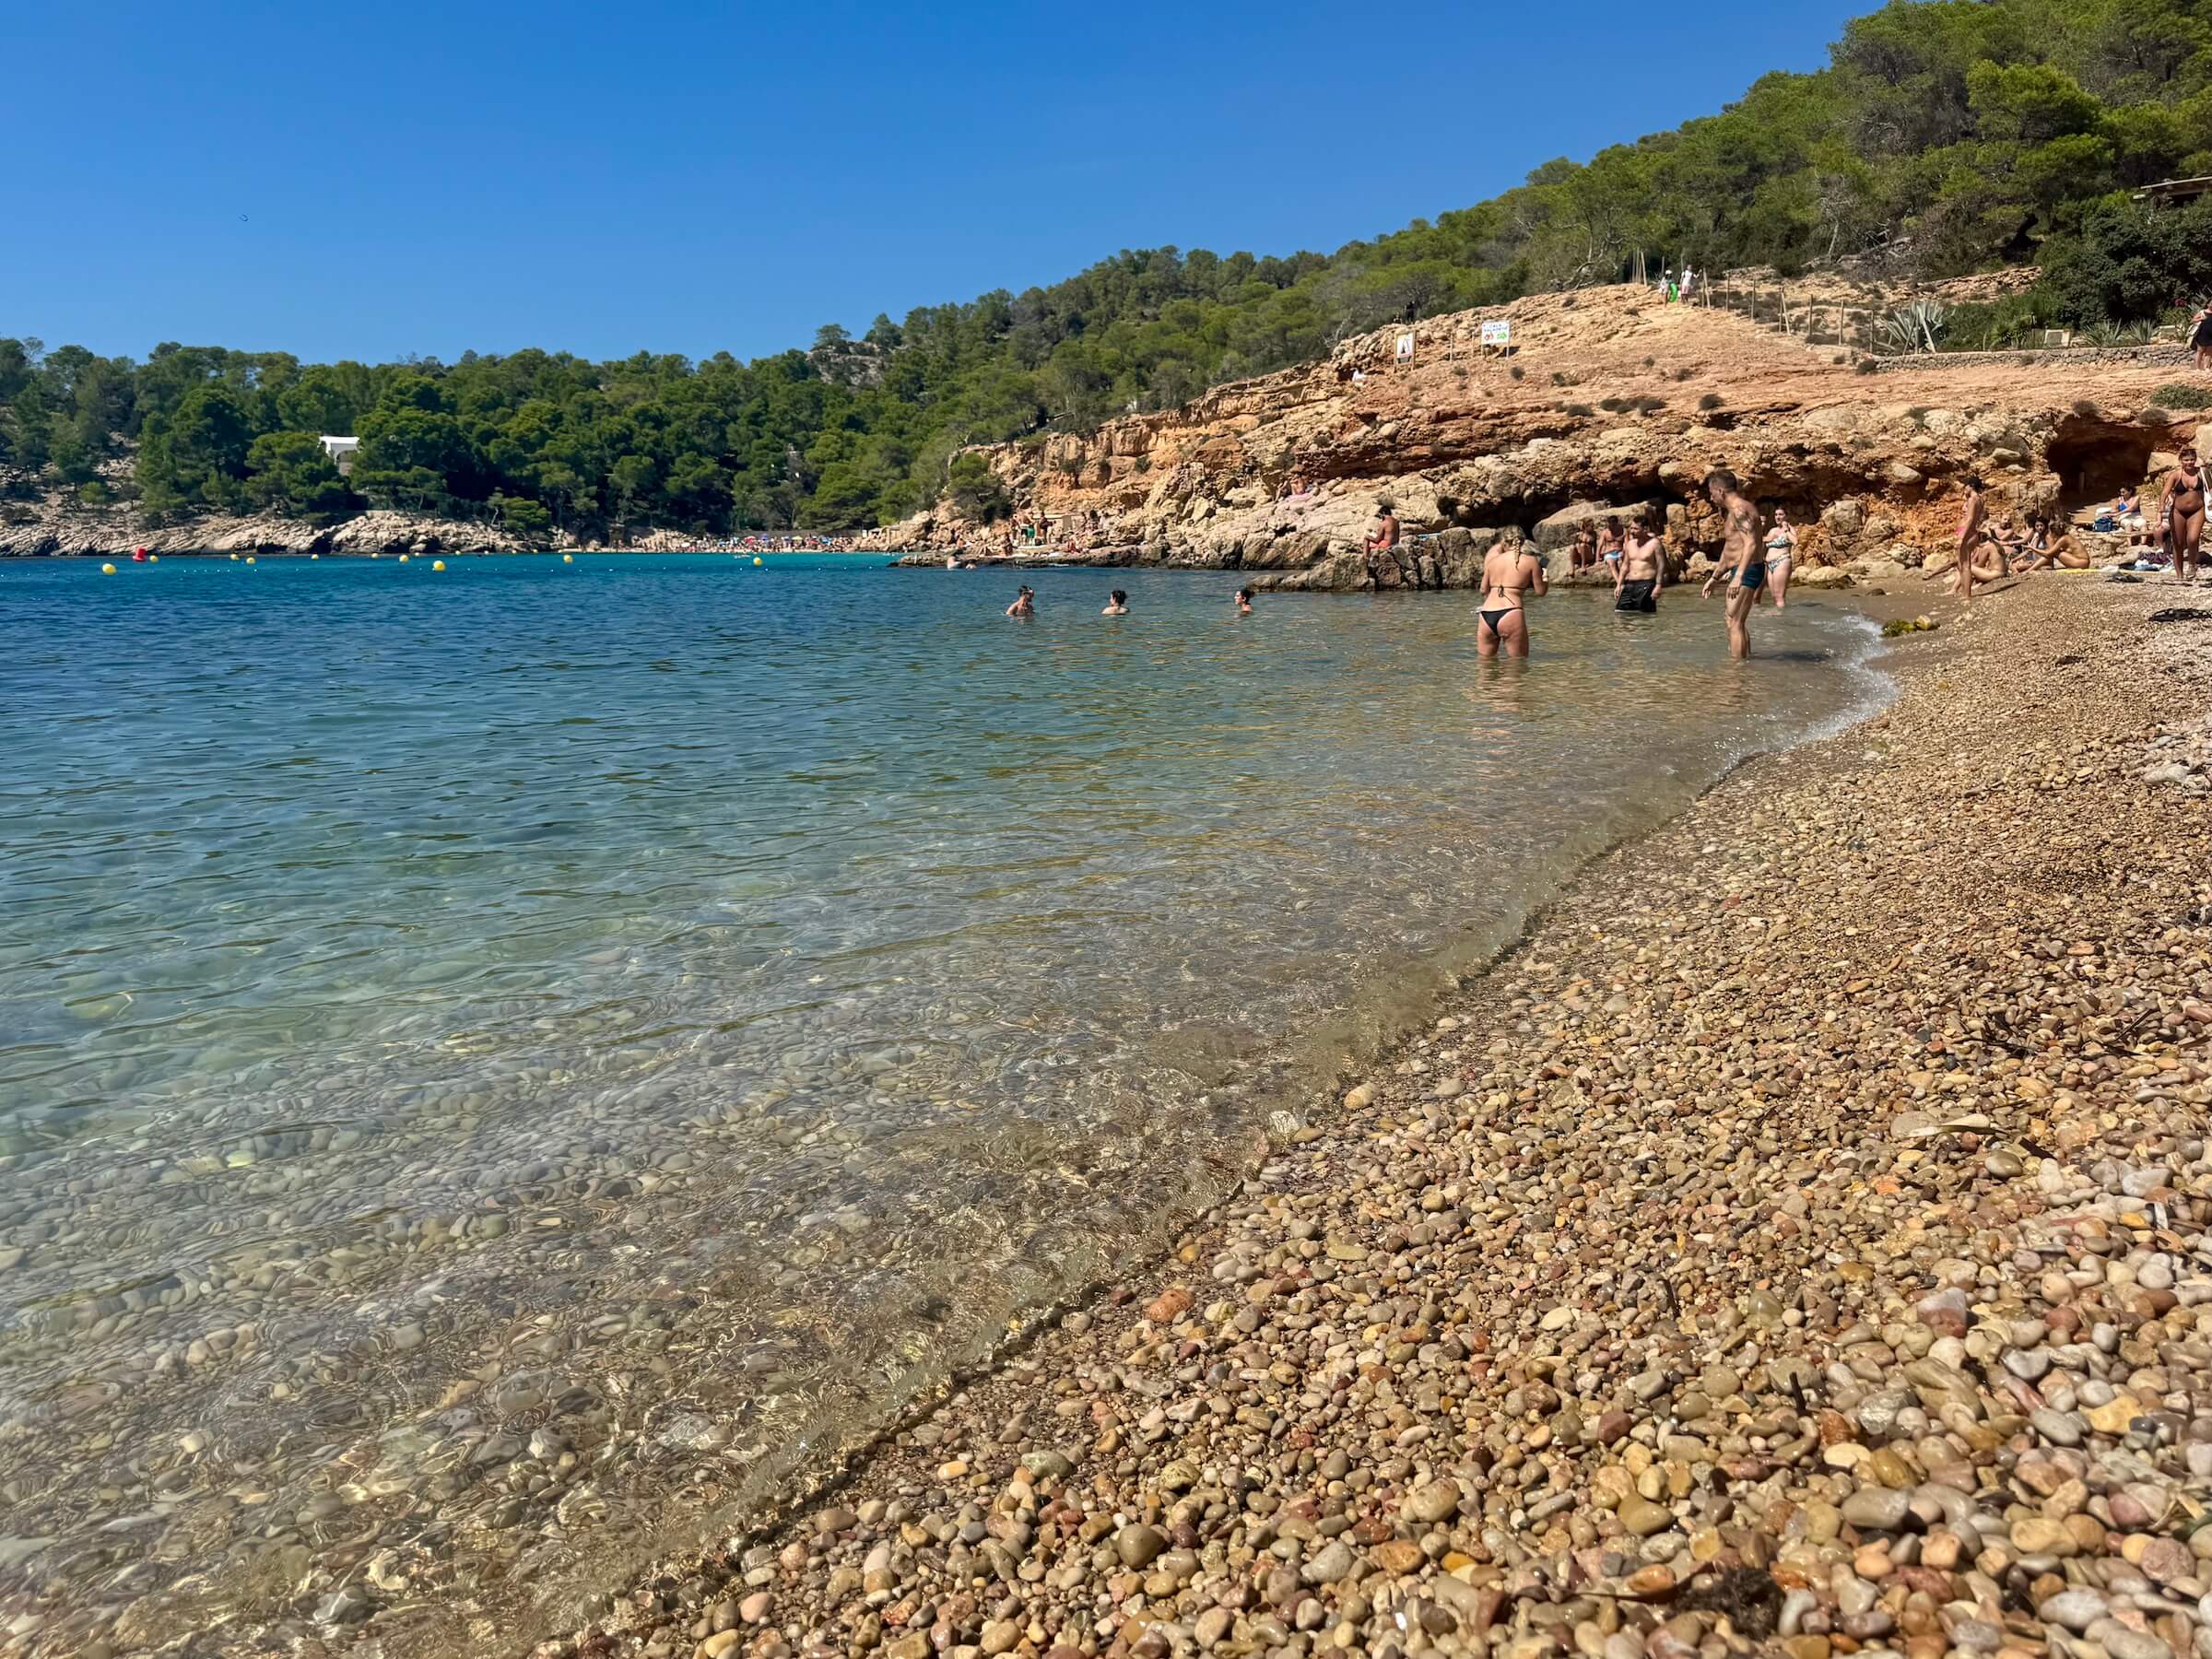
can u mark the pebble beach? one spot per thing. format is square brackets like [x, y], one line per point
[1796, 1245]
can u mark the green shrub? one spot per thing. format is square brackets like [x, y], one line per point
[1711, 400]
[2182, 394]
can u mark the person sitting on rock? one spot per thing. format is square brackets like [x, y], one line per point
[2126, 515]
[1582, 553]
[1383, 538]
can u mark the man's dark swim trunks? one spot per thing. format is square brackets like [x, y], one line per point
[1637, 596]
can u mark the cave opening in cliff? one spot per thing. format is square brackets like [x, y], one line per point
[2094, 463]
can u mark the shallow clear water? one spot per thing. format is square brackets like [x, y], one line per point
[498, 1068]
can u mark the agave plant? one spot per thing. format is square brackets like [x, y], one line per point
[1914, 327]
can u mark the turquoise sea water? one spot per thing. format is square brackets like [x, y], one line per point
[498, 1068]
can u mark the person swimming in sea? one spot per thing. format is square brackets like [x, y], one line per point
[1025, 603]
[1510, 571]
[1740, 559]
[1117, 603]
[1243, 601]
[1640, 576]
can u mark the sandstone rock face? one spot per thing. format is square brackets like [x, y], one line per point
[1560, 528]
[1611, 403]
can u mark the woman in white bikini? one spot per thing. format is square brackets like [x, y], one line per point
[1510, 570]
[1782, 548]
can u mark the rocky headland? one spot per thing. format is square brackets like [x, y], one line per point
[1610, 401]
[1804, 1252]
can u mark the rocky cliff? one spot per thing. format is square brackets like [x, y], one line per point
[55, 527]
[1608, 399]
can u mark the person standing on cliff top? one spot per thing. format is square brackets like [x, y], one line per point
[1384, 535]
[1740, 560]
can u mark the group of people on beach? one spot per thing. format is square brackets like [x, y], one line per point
[1757, 551]
[1989, 548]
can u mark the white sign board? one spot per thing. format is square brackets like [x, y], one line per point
[1405, 348]
[1499, 331]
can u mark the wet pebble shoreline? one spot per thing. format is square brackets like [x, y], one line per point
[1799, 1244]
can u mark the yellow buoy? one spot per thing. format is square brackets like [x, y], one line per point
[107, 570]
[568, 558]
[314, 555]
[756, 560]
[248, 558]
[234, 558]
[153, 559]
[437, 564]
[376, 555]
[403, 559]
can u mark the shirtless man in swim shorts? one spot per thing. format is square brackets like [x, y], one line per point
[1973, 527]
[1384, 536]
[1640, 577]
[1510, 571]
[1740, 558]
[2183, 507]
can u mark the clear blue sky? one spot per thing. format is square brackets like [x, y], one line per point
[379, 177]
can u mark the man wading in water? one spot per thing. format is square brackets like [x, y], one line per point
[1739, 558]
[1640, 576]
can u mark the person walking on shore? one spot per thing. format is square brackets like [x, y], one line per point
[1640, 577]
[1740, 562]
[2182, 507]
[2200, 336]
[1974, 520]
[1510, 571]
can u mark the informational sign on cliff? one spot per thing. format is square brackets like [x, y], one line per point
[1499, 331]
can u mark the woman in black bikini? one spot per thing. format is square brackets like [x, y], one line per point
[2184, 511]
[1509, 569]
